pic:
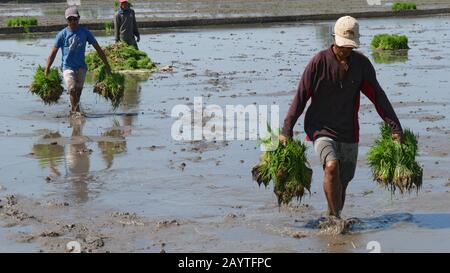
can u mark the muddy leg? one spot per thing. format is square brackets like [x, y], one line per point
[74, 100]
[332, 187]
[78, 94]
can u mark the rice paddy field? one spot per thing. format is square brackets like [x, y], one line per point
[117, 181]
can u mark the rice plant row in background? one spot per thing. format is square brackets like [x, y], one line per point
[393, 163]
[22, 22]
[389, 42]
[108, 27]
[49, 88]
[397, 6]
[286, 166]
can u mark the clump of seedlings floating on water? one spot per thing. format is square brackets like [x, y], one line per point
[49, 87]
[285, 165]
[121, 57]
[389, 42]
[393, 163]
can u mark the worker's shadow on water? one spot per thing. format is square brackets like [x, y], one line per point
[388, 221]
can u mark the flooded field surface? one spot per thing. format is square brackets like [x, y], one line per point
[116, 180]
[102, 10]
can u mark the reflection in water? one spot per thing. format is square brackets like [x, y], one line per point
[115, 144]
[131, 97]
[390, 56]
[50, 152]
[50, 155]
[77, 159]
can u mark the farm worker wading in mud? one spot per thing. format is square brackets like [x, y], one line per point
[72, 41]
[125, 26]
[333, 80]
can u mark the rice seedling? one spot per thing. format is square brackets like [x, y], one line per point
[393, 163]
[389, 42]
[108, 27]
[397, 6]
[288, 168]
[49, 88]
[110, 86]
[120, 57]
[22, 22]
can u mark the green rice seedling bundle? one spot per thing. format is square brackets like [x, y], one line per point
[287, 167]
[120, 57]
[397, 6]
[22, 22]
[49, 88]
[389, 42]
[110, 86]
[393, 163]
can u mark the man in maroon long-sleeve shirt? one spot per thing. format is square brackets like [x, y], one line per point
[333, 80]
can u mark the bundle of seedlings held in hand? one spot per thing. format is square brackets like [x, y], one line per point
[287, 166]
[110, 86]
[49, 87]
[393, 163]
[121, 57]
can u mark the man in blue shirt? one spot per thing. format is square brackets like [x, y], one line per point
[72, 41]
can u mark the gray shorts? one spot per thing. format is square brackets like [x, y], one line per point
[346, 153]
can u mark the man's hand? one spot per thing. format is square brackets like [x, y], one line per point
[283, 139]
[138, 38]
[398, 137]
[46, 71]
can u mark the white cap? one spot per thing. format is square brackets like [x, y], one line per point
[72, 11]
[346, 32]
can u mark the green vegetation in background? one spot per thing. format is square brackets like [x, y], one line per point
[108, 27]
[393, 163]
[389, 42]
[397, 6]
[49, 88]
[24, 22]
[286, 166]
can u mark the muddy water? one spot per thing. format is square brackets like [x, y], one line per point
[102, 10]
[119, 180]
